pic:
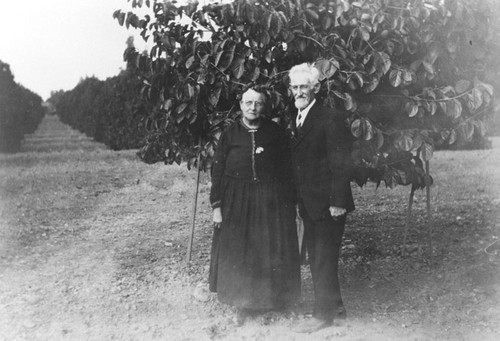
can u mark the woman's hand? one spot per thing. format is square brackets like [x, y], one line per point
[337, 212]
[217, 218]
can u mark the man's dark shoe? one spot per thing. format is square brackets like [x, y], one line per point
[241, 316]
[341, 313]
[312, 325]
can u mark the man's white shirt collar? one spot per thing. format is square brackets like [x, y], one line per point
[303, 113]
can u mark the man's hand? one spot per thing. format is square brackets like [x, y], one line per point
[337, 211]
[217, 218]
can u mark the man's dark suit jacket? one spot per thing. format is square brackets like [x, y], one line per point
[321, 156]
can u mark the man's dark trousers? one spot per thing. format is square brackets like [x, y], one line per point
[323, 240]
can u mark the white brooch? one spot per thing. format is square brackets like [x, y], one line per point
[259, 150]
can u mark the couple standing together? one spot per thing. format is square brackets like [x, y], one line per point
[257, 181]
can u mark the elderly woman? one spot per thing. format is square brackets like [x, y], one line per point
[255, 261]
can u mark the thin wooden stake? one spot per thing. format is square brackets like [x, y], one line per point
[195, 204]
[429, 213]
[408, 219]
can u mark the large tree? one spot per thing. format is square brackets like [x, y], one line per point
[409, 74]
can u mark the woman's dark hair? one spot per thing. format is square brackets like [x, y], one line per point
[262, 89]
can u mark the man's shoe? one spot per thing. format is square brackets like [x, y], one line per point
[341, 313]
[241, 316]
[312, 325]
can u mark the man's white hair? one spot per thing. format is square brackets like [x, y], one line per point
[305, 68]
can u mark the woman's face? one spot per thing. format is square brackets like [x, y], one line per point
[252, 105]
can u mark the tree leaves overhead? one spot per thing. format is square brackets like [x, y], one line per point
[404, 72]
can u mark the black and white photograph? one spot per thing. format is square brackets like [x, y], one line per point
[247, 170]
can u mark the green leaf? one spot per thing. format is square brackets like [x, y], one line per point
[265, 39]
[267, 20]
[214, 96]
[415, 65]
[218, 57]
[432, 108]
[362, 128]
[313, 14]
[453, 137]
[462, 86]
[193, 118]
[488, 88]
[404, 142]
[411, 109]
[359, 77]
[452, 42]
[238, 67]
[480, 128]
[326, 68]
[454, 109]
[385, 60]
[477, 97]
[368, 130]
[269, 56]
[255, 74]
[427, 151]
[417, 142]
[428, 67]
[371, 85]
[121, 19]
[339, 94]
[445, 134]
[204, 60]
[402, 177]
[380, 139]
[349, 102]
[467, 130]
[189, 62]
[395, 78]
[356, 129]
[363, 32]
[326, 22]
[444, 106]
[408, 76]
[227, 57]
[190, 91]
[181, 108]
[276, 25]
[432, 54]
[167, 105]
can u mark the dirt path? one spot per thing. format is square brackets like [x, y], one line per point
[93, 243]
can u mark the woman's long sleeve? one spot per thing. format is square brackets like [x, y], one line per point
[218, 171]
[286, 168]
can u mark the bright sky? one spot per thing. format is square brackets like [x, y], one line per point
[52, 44]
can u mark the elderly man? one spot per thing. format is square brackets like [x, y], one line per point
[321, 166]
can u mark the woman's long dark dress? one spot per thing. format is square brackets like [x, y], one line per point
[255, 257]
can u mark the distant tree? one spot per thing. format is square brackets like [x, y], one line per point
[109, 111]
[409, 74]
[21, 111]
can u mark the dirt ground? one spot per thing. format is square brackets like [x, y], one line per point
[93, 247]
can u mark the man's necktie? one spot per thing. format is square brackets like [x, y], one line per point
[299, 119]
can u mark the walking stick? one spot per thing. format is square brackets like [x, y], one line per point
[429, 213]
[408, 219]
[195, 204]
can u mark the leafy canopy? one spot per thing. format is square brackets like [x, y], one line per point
[409, 74]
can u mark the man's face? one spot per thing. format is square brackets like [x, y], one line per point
[252, 105]
[303, 91]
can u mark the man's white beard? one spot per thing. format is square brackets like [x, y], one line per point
[301, 103]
